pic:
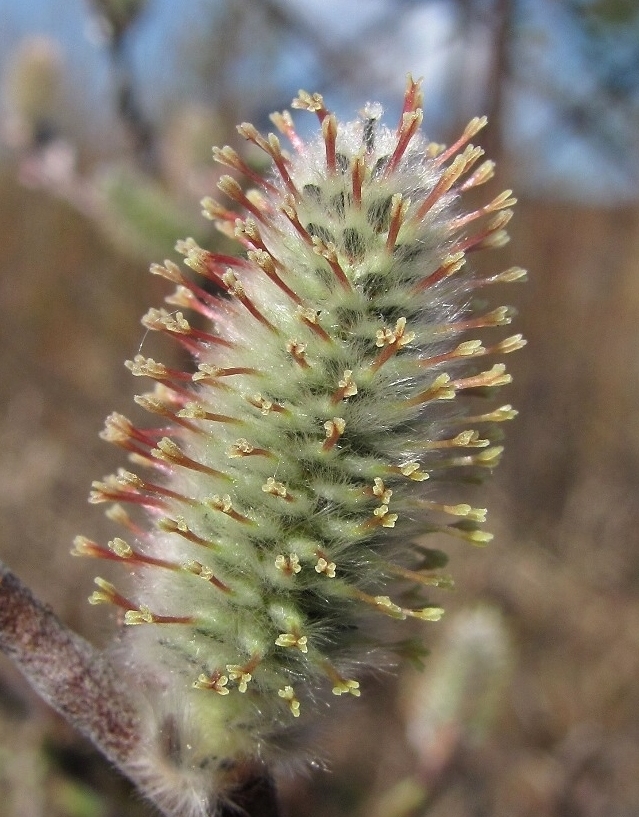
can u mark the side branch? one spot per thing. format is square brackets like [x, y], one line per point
[67, 672]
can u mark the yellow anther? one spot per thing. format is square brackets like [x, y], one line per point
[233, 284]
[288, 564]
[379, 490]
[105, 594]
[193, 411]
[324, 566]
[141, 616]
[308, 315]
[426, 614]
[161, 319]
[288, 694]
[261, 403]
[399, 337]
[142, 366]
[385, 604]
[347, 686]
[308, 102]
[240, 676]
[215, 682]
[221, 503]
[275, 488]
[347, 385]
[334, 426]
[295, 348]
[474, 514]
[387, 519]
[198, 569]
[240, 448]
[469, 348]
[292, 640]
[121, 548]
[412, 471]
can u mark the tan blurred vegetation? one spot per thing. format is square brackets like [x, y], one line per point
[561, 738]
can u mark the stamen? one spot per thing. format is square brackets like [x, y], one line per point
[310, 318]
[393, 341]
[460, 164]
[426, 579]
[399, 208]
[266, 406]
[179, 526]
[225, 506]
[358, 174]
[232, 189]
[242, 448]
[324, 565]
[204, 572]
[107, 594]
[442, 388]
[214, 211]
[465, 439]
[153, 405]
[408, 127]
[290, 211]
[493, 236]
[289, 565]
[484, 173]
[341, 686]
[215, 682]
[329, 132]
[144, 616]
[266, 263]
[240, 675]
[413, 96]
[347, 388]
[379, 490]
[503, 200]
[288, 694]
[298, 352]
[469, 348]
[451, 265]
[334, 429]
[277, 489]
[472, 129]
[412, 470]
[329, 252]
[271, 146]
[466, 511]
[234, 287]
[292, 640]
[310, 102]
[284, 123]
[230, 158]
[501, 316]
[168, 451]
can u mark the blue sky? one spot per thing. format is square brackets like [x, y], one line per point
[422, 42]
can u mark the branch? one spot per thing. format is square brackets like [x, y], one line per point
[67, 672]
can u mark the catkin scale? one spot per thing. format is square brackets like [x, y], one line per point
[291, 472]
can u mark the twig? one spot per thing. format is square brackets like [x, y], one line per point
[67, 672]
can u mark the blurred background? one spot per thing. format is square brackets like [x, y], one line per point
[529, 700]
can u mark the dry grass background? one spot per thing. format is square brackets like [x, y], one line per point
[563, 568]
